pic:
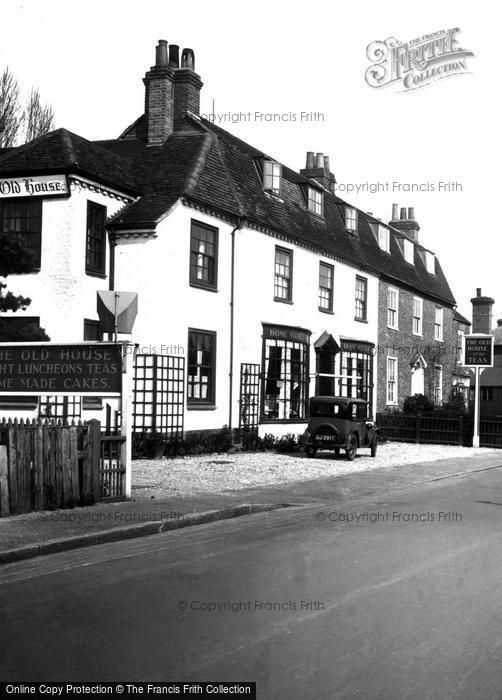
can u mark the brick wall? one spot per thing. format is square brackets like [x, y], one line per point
[187, 86]
[159, 105]
[406, 346]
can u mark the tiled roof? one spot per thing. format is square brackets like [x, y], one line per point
[457, 316]
[64, 152]
[211, 167]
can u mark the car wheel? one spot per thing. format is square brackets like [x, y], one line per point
[310, 451]
[351, 450]
[374, 446]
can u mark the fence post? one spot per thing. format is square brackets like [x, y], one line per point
[4, 482]
[418, 426]
[94, 447]
[461, 430]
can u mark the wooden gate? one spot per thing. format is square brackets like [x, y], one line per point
[45, 465]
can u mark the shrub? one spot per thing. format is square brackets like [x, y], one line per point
[418, 404]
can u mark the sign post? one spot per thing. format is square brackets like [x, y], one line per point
[478, 354]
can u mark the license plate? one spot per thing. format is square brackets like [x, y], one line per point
[327, 438]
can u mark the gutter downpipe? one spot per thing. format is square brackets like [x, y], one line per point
[238, 227]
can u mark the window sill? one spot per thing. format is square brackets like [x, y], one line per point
[282, 301]
[326, 311]
[392, 328]
[418, 335]
[360, 320]
[201, 407]
[205, 287]
[93, 273]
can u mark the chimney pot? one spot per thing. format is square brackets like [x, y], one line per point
[395, 212]
[403, 213]
[174, 56]
[161, 53]
[411, 213]
[478, 291]
[326, 163]
[310, 163]
[319, 160]
[188, 59]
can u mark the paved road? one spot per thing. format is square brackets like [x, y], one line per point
[391, 609]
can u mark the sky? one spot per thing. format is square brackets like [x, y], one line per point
[288, 58]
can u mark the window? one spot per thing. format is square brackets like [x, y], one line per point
[285, 379]
[203, 255]
[392, 381]
[486, 393]
[383, 238]
[315, 201]
[21, 219]
[357, 375]
[418, 307]
[438, 324]
[409, 251]
[361, 298]
[283, 280]
[95, 257]
[460, 347]
[272, 173]
[201, 367]
[430, 265]
[392, 307]
[65, 407]
[351, 219]
[326, 274]
[437, 389]
[92, 330]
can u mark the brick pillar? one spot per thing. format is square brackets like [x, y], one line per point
[187, 86]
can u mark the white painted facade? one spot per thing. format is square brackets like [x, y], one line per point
[158, 268]
[62, 293]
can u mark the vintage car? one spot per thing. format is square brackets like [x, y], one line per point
[339, 423]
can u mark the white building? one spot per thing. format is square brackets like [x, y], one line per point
[258, 286]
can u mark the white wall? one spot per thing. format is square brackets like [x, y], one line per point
[62, 293]
[158, 268]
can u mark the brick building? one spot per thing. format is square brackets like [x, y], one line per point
[417, 338]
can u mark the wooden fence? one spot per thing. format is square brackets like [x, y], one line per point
[439, 430]
[46, 465]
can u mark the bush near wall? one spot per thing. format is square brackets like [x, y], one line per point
[154, 445]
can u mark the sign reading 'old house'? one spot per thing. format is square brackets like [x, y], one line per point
[478, 351]
[61, 369]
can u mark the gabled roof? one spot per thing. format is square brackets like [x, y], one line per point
[62, 151]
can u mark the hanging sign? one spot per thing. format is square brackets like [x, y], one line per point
[37, 186]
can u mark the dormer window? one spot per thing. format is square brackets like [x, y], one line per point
[430, 264]
[383, 238]
[315, 201]
[351, 219]
[408, 251]
[272, 173]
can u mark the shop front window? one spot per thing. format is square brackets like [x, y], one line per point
[356, 381]
[285, 379]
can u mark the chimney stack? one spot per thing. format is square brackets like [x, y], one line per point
[170, 91]
[187, 87]
[159, 97]
[405, 222]
[317, 167]
[481, 313]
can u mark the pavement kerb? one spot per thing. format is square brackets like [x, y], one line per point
[155, 528]
[132, 531]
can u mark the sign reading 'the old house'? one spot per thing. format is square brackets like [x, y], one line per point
[61, 369]
[478, 351]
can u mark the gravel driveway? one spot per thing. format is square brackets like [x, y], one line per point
[221, 473]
